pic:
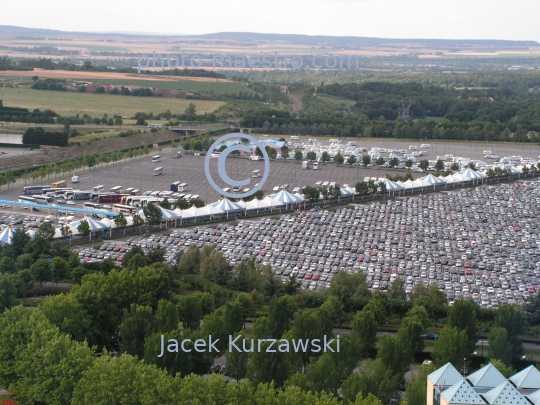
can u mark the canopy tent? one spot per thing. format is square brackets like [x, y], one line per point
[346, 192]
[6, 235]
[209, 210]
[254, 204]
[227, 206]
[95, 226]
[471, 175]
[431, 179]
[286, 198]
[392, 185]
[272, 203]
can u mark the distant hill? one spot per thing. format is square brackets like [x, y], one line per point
[319, 40]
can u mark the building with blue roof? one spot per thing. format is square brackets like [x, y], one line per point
[487, 386]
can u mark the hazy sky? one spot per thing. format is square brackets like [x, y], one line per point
[472, 19]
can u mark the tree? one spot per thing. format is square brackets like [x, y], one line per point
[416, 390]
[190, 310]
[439, 165]
[410, 335]
[462, 315]
[152, 213]
[84, 227]
[325, 157]
[366, 160]
[197, 202]
[165, 204]
[137, 220]
[471, 166]
[284, 153]
[311, 193]
[66, 313]
[191, 111]
[397, 290]
[393, 162]
[8, 291]
[338, 158]
[364, 327]
[512, 318]
[19, 240]
[424, 164]
[361, 188]
[379, 161]
[351, 160]
[46, 231]
[121, 222]
[189, 261]
[237, 363]
[454, 167]
[41, 272]
[298, 155]
[182, 204]
[137, 324]
[499, 346]
[452, 347]
[280, 315]
[409, 163]
[311, 156]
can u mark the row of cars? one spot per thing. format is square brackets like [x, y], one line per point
[479, 243]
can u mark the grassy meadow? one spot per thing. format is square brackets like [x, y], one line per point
[71, 103]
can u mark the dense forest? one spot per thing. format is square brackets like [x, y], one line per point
[38, 136]
[100, 343]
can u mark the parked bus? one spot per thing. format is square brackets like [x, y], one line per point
[135, 191]
[158, 171]
[156, 158]
[59, 184]
[56, 191]
[129, 190]
[27, 199]
[126, 209]
[174, 186]
[34, 189]
[110, 198]
[182, 187]
[117, 189]
[77, 195]
[92, 206]
[43, 199]
[256, 173]
[98, 189]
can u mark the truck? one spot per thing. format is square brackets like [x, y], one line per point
[305, 165]
[315, 165]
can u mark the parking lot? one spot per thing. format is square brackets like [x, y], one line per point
[477, 243]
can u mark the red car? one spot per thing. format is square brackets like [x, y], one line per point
[123, 250]
[120, 258]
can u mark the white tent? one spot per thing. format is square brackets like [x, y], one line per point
[209, 210]
[6, 235]
[286, 198]
[95, 226]
[227, 205]
[272, 203]
[471, 175]
[431, 179]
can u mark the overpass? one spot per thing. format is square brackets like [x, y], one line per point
[186, 130]
[59, 208]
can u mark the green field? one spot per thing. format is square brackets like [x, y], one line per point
[71, 103]
[336, 100]
[73, 45]
[190, 85]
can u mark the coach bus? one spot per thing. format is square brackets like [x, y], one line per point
[56, 191]
[92, 206]
[27, 199]
[158, 171]
[174, 186]
[156, 158]
[110, 198]
[125, 209]
[34, 189]
[77, 195]
[59, 184]
[116, 189]
[43, 199]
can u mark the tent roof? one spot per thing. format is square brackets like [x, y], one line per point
[487, 376]
[462, 393]
[505, 394]
[527, 378]
[446, 375]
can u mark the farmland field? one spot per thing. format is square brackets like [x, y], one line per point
[207, 86]
[70, 103]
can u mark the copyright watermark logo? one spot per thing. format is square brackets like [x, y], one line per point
[223, 172]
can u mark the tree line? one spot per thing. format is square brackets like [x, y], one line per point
[38, 136]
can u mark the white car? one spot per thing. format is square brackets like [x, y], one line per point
[70, 203]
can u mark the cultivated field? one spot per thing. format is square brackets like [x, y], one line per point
[70, 103]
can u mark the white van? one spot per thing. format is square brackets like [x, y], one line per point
[236, 189]
[75, 179]
[425, 145]
[48, 218]
[255, 157]
[295, 138]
